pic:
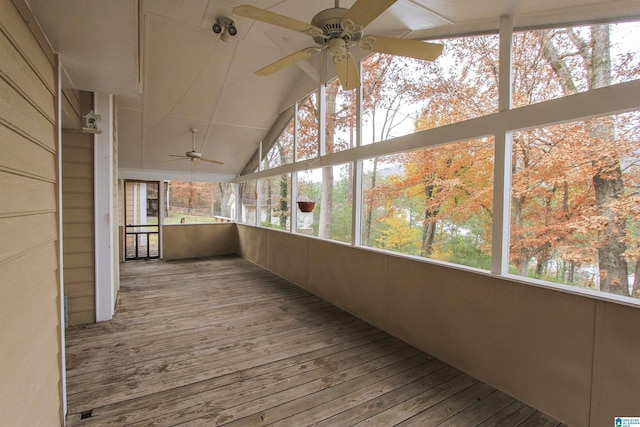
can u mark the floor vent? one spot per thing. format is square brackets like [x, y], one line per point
[86, 414]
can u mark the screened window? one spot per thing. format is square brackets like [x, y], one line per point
[248, 202]
[192, 202]
[575, 206]
[402, 96]
[553, 63]
[307, 135]
[330, 189]
[309, 194]
[434, 203]
[393, 94]
[276, 200]
[282, 151]
[340, 130]
[573, 190]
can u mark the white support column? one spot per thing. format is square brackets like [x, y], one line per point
[295, 131]
[501, 205]
[161, 202]
[62, 304]
[293, 209]
[502, 159]
[237, 214]
[104, 212]
[322, 109]
[356, 211]
[294, 204]
[356, 206]
[258, 219]
[359, 92]
[505, 59]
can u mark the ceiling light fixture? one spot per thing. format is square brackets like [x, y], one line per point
[224, 26]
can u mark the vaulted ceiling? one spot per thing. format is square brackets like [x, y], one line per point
[171, 72]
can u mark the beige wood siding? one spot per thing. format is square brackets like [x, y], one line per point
[72, 108]
[78, 228]
[30, 353]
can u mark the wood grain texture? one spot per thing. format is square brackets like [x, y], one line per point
[221, 341]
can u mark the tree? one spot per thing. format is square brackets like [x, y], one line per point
[579, 59]
[574, 190]
[340, 122]
[397, 235]
[390, 91]
[307, 136]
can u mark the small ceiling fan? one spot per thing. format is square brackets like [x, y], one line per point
[193, 155]
[337, 30]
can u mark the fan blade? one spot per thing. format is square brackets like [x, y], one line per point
[211, 161]
[177, 159]
[363, 12]
[287, 60]
[263, 15]
[177, 155]
[348, 72]
[405, 47]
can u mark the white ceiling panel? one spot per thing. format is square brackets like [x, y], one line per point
[97, 42]
[130, 138]
[176, 56]
[187, 11]
[189, 78]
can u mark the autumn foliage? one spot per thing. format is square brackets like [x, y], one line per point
[574, 205]
[574, 191]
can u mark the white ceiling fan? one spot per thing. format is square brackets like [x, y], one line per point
[337, 30]
[193, 155]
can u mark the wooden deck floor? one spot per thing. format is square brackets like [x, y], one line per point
[222, 342]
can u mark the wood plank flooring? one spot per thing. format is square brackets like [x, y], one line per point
[221, 341]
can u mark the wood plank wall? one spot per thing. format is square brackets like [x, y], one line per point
[78, 227]
[30, 353]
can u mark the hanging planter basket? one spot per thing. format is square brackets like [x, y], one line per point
[306, 206]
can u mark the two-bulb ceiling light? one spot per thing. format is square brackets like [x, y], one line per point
[224, 26]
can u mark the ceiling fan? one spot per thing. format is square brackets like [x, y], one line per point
[337, 30]
[193, 155]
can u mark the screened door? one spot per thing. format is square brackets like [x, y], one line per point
[142, 208]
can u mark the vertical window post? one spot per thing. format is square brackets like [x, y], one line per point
[356, 207]
[322, 110]
[502, 163]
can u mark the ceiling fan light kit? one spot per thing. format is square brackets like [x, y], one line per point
[337, 30]
[225, 27]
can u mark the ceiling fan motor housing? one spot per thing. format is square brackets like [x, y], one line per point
[330, 22]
